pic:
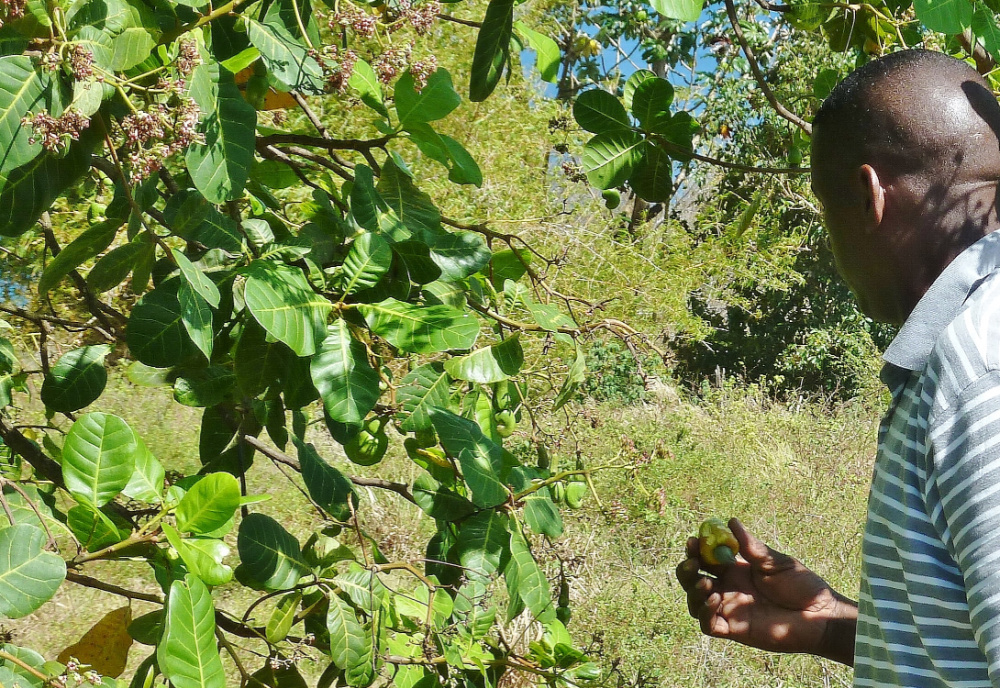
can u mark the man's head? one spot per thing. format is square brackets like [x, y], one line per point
[906, 161]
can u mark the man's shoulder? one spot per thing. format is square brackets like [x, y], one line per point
[969, 346]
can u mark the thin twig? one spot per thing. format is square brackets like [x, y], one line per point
[759, 76]
[401, 489]
[90, 582]
[463, 22]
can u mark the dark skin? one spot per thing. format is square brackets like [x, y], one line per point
[894, 227]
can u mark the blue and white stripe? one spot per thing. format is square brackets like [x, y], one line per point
[929, 605]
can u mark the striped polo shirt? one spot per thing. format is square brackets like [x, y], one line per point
[929, 605]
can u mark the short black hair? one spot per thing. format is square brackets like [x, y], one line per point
[891, 111]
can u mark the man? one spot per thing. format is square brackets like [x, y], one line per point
[906, 161]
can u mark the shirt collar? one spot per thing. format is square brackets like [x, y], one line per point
[942, 302]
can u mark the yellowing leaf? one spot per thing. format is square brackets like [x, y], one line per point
[105, 646]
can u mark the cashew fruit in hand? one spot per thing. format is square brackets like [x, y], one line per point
[716, 543]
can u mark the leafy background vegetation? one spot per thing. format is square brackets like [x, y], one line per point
[672, 344]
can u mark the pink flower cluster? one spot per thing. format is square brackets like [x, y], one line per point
[154, 135]
[392, 62]
[423, 16]
[337, 66]
[11, 10]
[81, 62]
[187, 56]
[422, 70]
[350, 16]
[55, 133]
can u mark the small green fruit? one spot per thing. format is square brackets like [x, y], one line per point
[575, 493]
[612, 199]
[367, 448]
[506, 422]
[559, 493]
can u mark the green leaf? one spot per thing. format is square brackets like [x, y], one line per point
[368, 259]
[685, 10]
[350, 643]
[204, 386]
[422, 389]
[367, 87]
[609, 159]
[187, 652]
[270, 555]
[327, 486]
[113, 267]
[489, 364]
[29, 576]
[416, 257]
[540, 511]
[98, 457]
[413, 207]
[653, 179]
[433, 102]
[156, 334]
[146, 483]
[637, 78]
[574, 378]
[219, 168]
[984, 25]
[281, 300]
[492, 49]
[421, 329]
[547, 51]
[462, 167]
[485, 464]
[526, 579]
[93, 528]
[209, 505]
[259, 363]
[197, 318]
[944, 16]
[483, 543]
[439, 502]
[77, 380]
[202, 556]
[200, 282]
[599, 112]
[651, 101]
[460, 254]
[283, 617]
[84, 247]
[346, 381]
[363, 587]
[192, 217]
[23, 90]
[286, 58]
[131, 47]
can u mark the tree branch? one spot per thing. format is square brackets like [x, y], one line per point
[984, 61]
[759, 76]
[320, 142]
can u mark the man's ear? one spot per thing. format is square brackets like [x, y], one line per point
[874, 195]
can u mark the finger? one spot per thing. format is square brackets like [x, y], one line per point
[755, 552]
[698, 596]
[712, 623]
[687, 573]
[692, 547]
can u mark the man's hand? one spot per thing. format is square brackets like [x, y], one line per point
[768, 600]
